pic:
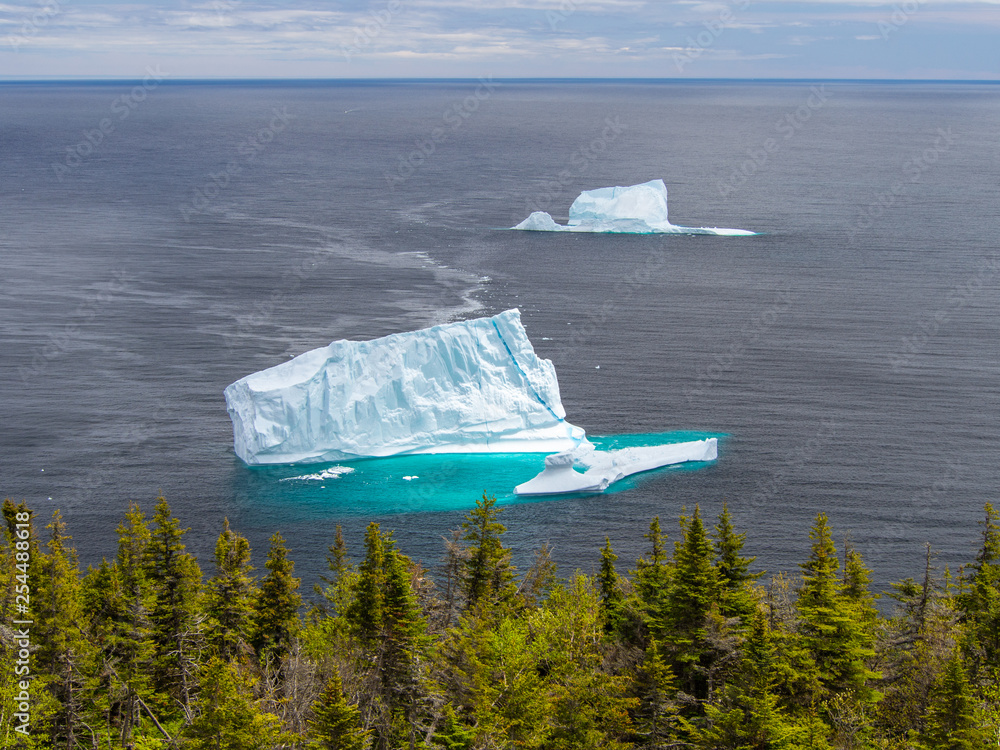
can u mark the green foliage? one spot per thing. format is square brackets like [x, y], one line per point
[175, 580]
[119, 597]
[276, 610]
[336, 724]
[979, 600]
[340, 582]
[492, 668]
[950, 722]
[838, 642]
[488, 574]
[692, 607]
[654, 685]
[230, 595]
[688, 652]
[64, 651]
[736, 599]
[589, 706]
[389, 628]
[612, 598]
[228, 717]
[652, 582]
[454, 734]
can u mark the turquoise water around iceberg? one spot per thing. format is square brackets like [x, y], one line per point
[427, 483]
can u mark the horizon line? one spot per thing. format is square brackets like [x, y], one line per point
[513, 79]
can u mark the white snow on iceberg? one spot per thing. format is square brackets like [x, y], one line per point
[604, 468]
[637, 209]
[471, 387]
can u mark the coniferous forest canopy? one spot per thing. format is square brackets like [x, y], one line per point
[685, 647]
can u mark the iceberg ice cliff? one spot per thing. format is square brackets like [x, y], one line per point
[469, 387]
[637, 209]
[601, 469]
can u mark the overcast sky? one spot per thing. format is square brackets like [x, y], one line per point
[502, 38]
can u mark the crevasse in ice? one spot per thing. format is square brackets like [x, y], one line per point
[636, 209]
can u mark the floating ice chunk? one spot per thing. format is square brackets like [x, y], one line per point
[470, 387]
[331, 473]
[637, 209]
[604, 468]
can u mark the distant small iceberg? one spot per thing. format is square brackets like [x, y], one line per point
[636, 209]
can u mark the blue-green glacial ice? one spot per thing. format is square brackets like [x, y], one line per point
[469, 388]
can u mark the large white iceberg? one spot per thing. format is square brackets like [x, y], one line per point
[469, 387]
[637, 209]
[601, 469]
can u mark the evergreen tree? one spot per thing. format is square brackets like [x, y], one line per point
[589, 708]
[387, 621]
[979, 599]
[176, 582]
[454, 734]
[652, 582]
[336, 724]
[493, 670]
[610, 589]
[737, 600]
[367, 611]
[488, 574]
[836, 640]
[694, 593]
[749, 716]
[336, 558]
[276, 610]
[64, 653]
[657, 711]
[227, 716]
[230, 595]
[950, 722]
[119, 597]
[917, 644]
[339, 582]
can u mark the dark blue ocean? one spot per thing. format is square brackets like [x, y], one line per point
[159, 241]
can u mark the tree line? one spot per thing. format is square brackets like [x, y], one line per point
[690, 648]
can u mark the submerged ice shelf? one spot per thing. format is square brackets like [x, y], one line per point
[472, 387]
[601, 469]
[637, 209]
